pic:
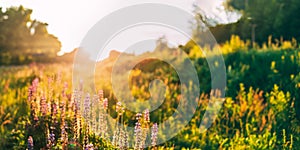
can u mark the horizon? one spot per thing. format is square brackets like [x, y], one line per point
[72, 25]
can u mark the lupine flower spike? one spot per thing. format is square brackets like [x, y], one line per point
[154, 131]
[30, 143]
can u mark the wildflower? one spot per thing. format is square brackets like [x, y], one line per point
[54, 112]
[51, 139]
[95, 108]
[137, 134]
[119, 109]
[43, 106]
[89, 147]
[146, 116]
[64, 134]
[30, 143]
[77, 98]
[86, 139]
[34, 85]
[154, 132]
[75, 122]
[125, 140]
[33, 110]
[105, 103]
[30, 93]
[115, 138]
[87, 107]
[138, 116]
[103, 124]
[103, 118]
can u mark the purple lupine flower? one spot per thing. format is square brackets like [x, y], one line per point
[52, 137]
[154, 132]
[51, 140]
[30, 143]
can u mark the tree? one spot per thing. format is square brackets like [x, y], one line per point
[278, 18]
[19, 35]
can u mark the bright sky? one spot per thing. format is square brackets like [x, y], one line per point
[70, 20]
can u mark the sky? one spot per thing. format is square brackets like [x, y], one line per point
[70, 20]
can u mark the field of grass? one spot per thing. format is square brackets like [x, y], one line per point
[40, 108]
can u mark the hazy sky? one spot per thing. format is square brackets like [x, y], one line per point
[70, 20]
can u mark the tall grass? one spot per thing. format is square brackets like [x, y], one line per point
[40, 110]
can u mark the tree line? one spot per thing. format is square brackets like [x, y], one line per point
[22, 38]
[260, 20]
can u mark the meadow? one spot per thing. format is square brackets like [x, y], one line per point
[40, 108]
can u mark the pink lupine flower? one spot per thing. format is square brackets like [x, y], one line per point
[125, 140]
[137, 135]
[35, 84]
[105, 103]
[147, 116]
[154, 131]
[30, 143]
[115, 138]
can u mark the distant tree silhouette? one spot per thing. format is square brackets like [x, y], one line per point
[20, 35]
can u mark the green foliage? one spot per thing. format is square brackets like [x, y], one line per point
[278, 18]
